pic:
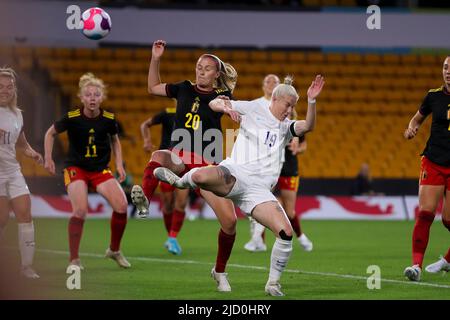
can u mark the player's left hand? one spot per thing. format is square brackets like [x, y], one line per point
[293, 146]
[234, 115]
[316, 87]
[38, 158]
[122, 174]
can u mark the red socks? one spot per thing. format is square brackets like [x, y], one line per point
[75, 230]
[118, 223]
[167, 216]
[177, 223]
[149, 181]
[421, 235]
[295, 223]
[226, 243]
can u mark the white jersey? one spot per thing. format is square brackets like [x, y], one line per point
[263, 102]
[10, 128]
[259, 147]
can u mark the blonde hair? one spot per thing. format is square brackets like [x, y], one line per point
[285, 88]
[228, 75]
[10, 73]
[89, 79]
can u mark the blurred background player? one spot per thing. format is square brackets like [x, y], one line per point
[193, 118]
[288, 181]
[173, 200]
[14, 191]
[91, 132]
[434, 177]
[252, 170]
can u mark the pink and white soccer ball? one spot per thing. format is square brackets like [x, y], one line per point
[96, 23]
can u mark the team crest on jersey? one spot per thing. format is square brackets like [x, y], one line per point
[195, 105]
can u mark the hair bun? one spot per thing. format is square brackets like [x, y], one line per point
[289, 80]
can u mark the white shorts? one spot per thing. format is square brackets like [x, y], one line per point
[13, 185]
[248, 192]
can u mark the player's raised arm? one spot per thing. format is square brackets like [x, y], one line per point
[155, 86]
[304, 126]
[223, 104]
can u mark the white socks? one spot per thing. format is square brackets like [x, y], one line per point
[186, 180]
[26, 243]
[281, 252]
[258, 230]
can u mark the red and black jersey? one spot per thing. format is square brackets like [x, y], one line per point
[437, 102]
[290, 165]
[166, 119]
[89, 139]
[194, 114]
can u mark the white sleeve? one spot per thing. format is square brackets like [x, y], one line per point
[20, 118]
[243, 107]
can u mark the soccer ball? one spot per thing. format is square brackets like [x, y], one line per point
[96, 23]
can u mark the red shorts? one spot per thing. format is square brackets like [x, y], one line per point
[288, 183]
[165, 187]
[92, 178]
[434, 174]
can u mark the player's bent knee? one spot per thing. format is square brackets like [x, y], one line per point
[229, 226]
[446, 223]
[285, 236]
[199, 177]
[428, 207]
[122, 207]
[80, 213]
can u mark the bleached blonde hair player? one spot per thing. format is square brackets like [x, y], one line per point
[14, 191]
[249, 174]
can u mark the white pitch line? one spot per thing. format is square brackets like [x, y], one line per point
[326, 274]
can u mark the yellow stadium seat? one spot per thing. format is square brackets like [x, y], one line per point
[83, 53]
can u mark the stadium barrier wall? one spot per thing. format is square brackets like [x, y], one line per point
[309, 207]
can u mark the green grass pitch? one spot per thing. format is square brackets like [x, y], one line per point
[336, 269]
